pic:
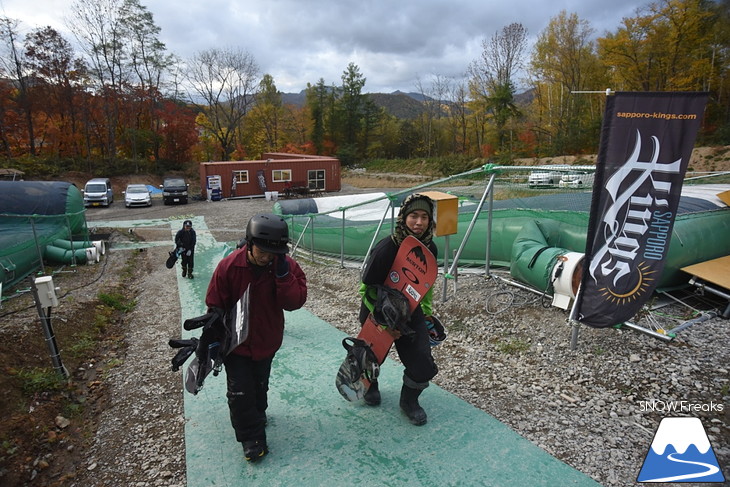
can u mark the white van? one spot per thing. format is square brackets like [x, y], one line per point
[543, 178]
[580, 180]
[98, 192]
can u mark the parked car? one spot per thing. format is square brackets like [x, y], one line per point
[577, 180]
[174, 190]
[543, 178]
[137, 195]
[98, 192]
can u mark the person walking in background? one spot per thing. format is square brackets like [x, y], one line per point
[185, 240]
[275, 283]
[415, 218]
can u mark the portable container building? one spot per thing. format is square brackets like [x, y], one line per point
[276, 172]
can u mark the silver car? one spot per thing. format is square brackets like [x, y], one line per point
[137, 195]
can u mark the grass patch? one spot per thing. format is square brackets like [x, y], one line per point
[117, 301]
[81, 347]
[512, 345]
[371, 182]
[37, 380]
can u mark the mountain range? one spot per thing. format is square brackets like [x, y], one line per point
[406, 106]
[398, 103]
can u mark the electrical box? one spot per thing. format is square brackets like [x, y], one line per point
[46, 292]
[446, 212]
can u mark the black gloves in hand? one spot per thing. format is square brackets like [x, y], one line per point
[282, 266]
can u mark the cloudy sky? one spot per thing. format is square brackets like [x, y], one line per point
[395, 43]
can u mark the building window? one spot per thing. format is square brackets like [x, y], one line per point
[315, 179]
[281, 175]
[240, 177]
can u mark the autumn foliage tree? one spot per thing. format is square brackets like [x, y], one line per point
[116, 101]
[563, 64]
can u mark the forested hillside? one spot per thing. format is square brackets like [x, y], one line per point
[131, 106]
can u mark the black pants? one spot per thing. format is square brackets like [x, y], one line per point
[415, 350]
[248, 385]
[188, 261]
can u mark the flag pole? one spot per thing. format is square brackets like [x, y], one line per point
[575, 325]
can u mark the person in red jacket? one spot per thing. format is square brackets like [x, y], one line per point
[275, 283]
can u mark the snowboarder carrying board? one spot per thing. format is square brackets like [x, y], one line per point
[254, 284]
[185, 240]
[412, 342]
[277, 283]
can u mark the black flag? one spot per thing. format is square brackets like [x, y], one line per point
[646, 144]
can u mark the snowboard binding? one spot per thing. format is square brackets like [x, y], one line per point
[222, 332]
[206, 349]
[392, 310]
[360, 363]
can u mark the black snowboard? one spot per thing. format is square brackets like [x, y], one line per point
[172, 259]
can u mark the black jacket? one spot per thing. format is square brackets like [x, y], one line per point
[376, 271]
[186, 240]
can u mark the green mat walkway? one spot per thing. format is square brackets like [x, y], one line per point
[317, 438]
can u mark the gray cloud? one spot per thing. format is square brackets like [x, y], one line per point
[394, 43]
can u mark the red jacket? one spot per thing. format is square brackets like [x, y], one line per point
[268, 299]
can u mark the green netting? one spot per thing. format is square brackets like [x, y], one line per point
[32, 215]
[327, 235]
[554, 218]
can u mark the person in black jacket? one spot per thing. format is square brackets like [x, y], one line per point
[185, 240]
[415, 218]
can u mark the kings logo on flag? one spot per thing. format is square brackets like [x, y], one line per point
[646, 143]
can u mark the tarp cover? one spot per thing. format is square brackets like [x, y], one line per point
[39, 198]
[32, 215]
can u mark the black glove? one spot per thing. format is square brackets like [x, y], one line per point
[205, 321]
[282, 266]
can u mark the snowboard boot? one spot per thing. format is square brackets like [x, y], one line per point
[372, 396]
[409, 401]
[190, 273]
[185, 271]
[254, 450]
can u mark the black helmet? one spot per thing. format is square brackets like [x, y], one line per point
[268, 232]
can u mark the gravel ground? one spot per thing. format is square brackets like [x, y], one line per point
[507, 353]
